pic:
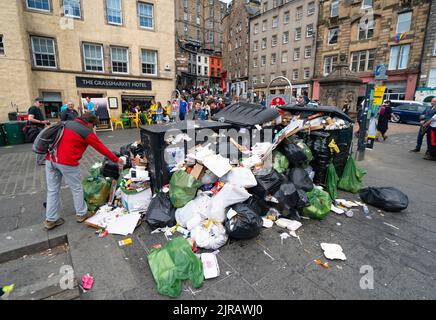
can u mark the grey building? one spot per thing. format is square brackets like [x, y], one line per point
[427, 82]
[283, 44]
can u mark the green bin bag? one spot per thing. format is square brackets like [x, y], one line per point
[352, 177]
[96, 191]
[280, 162]
[320, 204]
[172, 264]
[332, 181]
[183, 188]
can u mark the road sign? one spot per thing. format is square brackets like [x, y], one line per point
[380, 72]
[379, 92]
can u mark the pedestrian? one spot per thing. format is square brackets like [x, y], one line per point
[300, 101]
[37, 121]
[221, 104]
[70, 113]
[195, 115]
[213, 107]
[159, 113]
[359, 119]
[90, 106]
[430, 126]
[424, 117]
[153, 108]
[77, 135]
[385, 115]
[182, 108]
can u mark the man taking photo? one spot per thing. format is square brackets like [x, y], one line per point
[77, 135]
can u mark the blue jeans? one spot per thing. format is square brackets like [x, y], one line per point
[54, 173]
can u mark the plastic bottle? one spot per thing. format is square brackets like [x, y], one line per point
[365, 210]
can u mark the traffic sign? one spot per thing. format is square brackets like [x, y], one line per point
[380, 72]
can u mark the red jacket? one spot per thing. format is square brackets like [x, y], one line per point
[74, 143]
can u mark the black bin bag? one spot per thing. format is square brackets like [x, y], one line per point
[110, 169]
[258, 205]
[160, 212]
[267, 184]
[300, 178]
[245, 225]
[385, 198]
[294, 153]
[291, 198]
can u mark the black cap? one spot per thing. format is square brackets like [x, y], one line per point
[39, 99]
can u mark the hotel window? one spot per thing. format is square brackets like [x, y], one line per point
[366, 4]
[43, 5]
[149, 62]
[297, 54]
[310, 8]
[263, 43]
[185, 4]
[299, 13]
[254, 81]
[366, 31]
[255, 45]
[145, 12]
[308, 51]
[284, 73]
[334, 8]
[404, 21]
[432, 78]
[399, 57]
[333, 36]
[264, 23]
[362, 60]
[286, 18]
[298, 33]
[262, 79]
[329, 63]
[309, 30]
[114, 12]
[274, 40]
[93, 55]
[120, 60]
[286, 37]
[306, 73]
[44, 52]
[275, 22]
[273, 58]
[255, 63]
[72, 8]
[256, 28]
[284, 56]
[265, 6]
[263, 61]
[295, 74]
[2, 46]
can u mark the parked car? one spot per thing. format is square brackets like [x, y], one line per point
[407, 111]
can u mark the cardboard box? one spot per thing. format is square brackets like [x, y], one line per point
[198, 171]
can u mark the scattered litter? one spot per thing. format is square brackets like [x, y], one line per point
[6, 291]
[266, 253]
[333, 251]
[338, 224]
[349, 213]
[9, 238]
[125, 242]
[393, 241]
[124, 225]
[318, 262]
[267, 223]
[337, 210]
[284, 236]
[51, 275]
[228, 273]
[87, 281]
[211, 268]
[390, 225]
[339, 267]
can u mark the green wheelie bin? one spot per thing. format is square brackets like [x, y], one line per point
[14, 132]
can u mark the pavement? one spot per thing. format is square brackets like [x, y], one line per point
[397, 250]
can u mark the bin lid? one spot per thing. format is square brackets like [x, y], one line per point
[246, 114]
[183, 125]
[333, 111]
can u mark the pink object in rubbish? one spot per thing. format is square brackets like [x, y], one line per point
[87, 281]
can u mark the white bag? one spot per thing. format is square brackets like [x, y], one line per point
[240, 176]
[229, 194]
[212, 238]
[136, 202]
[194, 212]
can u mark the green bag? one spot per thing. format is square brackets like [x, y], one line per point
[352, 177]
[280, 162]
[96, 169]
[306, 150]
[96, 191]
[320, 204]
[183, 188]
[173, 263]
[332, 181]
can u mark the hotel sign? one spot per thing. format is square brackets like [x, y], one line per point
[107, 83]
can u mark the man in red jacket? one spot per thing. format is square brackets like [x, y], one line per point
[78, 134]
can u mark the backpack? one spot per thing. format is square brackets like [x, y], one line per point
[48, 139]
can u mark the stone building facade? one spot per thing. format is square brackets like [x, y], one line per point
[122, 50]
[427, 81]
[236, 48]
[283, 44]
[198, 31]
[371, 33]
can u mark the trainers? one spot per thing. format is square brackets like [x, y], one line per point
[80, 219]
[53, 224]
[415, 150]
[428, 157]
